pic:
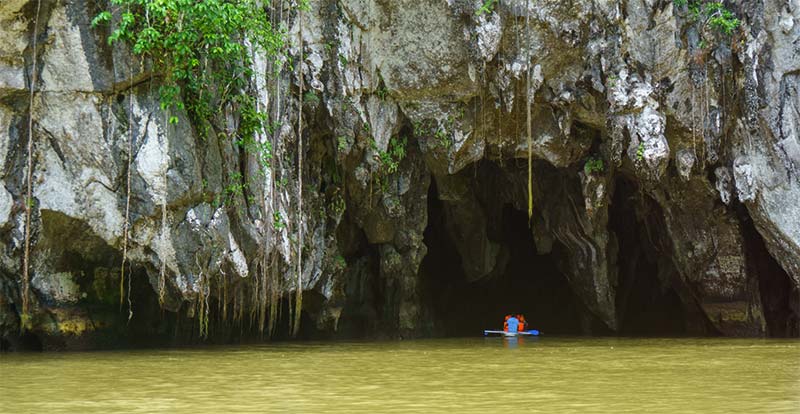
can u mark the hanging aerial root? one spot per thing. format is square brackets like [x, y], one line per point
[126, 222]
[299, 294]
[528, 108]
[29, 184]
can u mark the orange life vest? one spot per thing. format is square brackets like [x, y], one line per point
[523, 325]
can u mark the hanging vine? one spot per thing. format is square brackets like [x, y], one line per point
[162, 274]
[29, 181]
[126, 219]
[202, 51]
[303, 6]
[528, 109]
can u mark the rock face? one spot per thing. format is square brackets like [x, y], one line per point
[695, 195]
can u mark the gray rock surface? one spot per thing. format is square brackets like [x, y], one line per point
[703, 125]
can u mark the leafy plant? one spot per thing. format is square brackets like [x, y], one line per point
[711, 13]
[640, 151]
[593, 166]
[341, 143]
[720, 18]
[339, 262]
[442, 137]
[277, 221]
[391, 158]
[382, 92]
[487, 7]
[311, 98]
[419, 129]
[199, 48]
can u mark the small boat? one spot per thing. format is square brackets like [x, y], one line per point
[532, 332]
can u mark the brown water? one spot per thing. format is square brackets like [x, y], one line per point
[548, 375]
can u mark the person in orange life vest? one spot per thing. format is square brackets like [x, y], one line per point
[512, 324]
[523, 324]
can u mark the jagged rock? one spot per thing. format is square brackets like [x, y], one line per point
[685, 160]
[603, 80]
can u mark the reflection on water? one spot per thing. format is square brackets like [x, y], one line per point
[455, 375]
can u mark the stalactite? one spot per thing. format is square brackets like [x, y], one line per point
[29, 180]
[298, 305]
[528, 109]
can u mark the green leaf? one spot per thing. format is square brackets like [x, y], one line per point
[103, 17]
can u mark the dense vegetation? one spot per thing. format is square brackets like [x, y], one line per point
[203, 53]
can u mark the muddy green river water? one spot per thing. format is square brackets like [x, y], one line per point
[547, 375]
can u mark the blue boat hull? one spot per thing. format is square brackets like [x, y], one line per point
[532, 332]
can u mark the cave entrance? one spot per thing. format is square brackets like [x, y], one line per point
[525, 282]
[780, 299]
[647, 303]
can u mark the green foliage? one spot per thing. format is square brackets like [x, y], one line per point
[711, 13]
[311, 98]
[304, 5]
[440, 132]
[282, 182]
[640, 151]
[341, 144]
[443, 138]
[277, 221]
[720, 18]
[391, 158]
[382, 92]
[198, 46]
[340, 263]
[419, 129]
[236, 187]
[593, 166]
[338, 204]
[487, 7]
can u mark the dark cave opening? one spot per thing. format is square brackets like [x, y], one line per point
[530, 283]
[780, 299]
[647, 303]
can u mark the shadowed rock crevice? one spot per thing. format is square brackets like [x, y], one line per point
[780, 299]
[651, 300]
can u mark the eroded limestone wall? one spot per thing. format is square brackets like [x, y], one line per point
[705, 125]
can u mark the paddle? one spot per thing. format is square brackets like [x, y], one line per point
[531, 332]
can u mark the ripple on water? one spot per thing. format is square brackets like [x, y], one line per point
[458, 375]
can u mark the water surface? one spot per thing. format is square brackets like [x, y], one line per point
[547, 375]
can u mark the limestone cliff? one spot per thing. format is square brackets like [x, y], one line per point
[695, 191]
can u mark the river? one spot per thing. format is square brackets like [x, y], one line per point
[547, 375]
